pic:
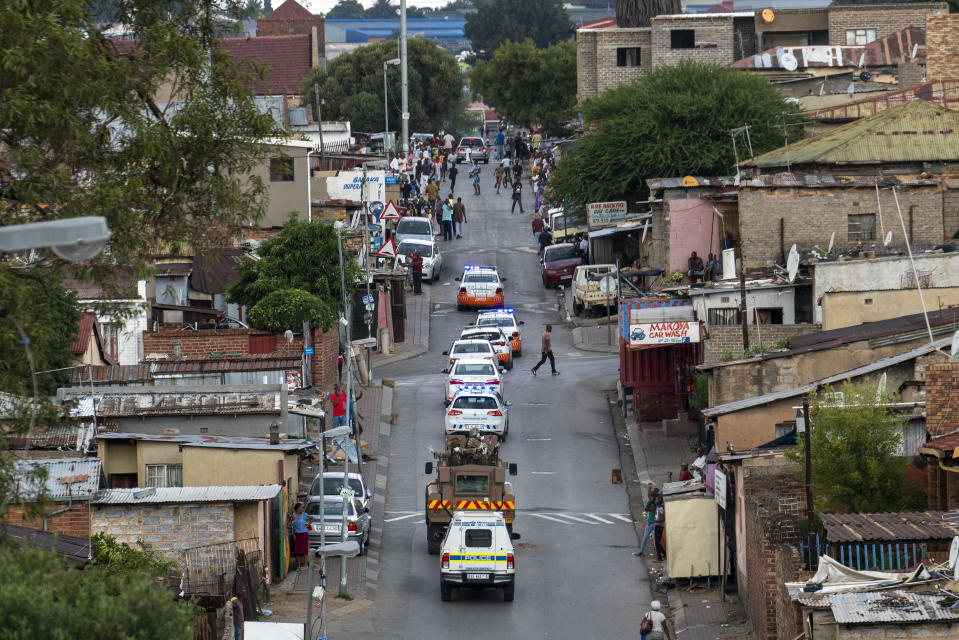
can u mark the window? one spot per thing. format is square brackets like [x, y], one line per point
[725, 315]
[860, 36]
[772, 315]
[281, 169]
[478, 403]
[627, 57]
[862, 227]
[479, 538]
[472, 484]
[682, 39]
[164, 475]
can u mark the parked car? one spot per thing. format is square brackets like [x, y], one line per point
[332, 481]
[478, 146]
[471, 372]
[413, 228]
[559, 262]
[357, 520]
[432, 258]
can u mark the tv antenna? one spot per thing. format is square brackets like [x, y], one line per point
[734, 133]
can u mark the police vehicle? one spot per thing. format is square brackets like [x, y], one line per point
[478, 554]
[479, 407]
[481, 287]
[472, 372]
[496, 337]
[505, 319]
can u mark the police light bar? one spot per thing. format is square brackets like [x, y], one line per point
[475, 267]
[508, 310]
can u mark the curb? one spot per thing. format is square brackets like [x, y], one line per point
[602, 348]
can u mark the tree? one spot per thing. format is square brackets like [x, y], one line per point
[352, 86]
[674, 122]
[346, 10]
[157, 134]
[529, 86]
[297, 278]
[43, 598]
[638, 13]
[856, 443]
[494, 22]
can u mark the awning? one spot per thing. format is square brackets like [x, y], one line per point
[624, 227]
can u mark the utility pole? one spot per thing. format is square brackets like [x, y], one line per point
[810, 514]
[349, 398]
[742, 303]
[319, 120]
[405, 86]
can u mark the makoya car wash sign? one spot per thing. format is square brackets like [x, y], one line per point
[663, 333]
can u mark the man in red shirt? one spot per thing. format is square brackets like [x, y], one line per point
[537, 230]
[338, 401]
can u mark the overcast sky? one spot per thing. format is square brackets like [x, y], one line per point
[322, 6]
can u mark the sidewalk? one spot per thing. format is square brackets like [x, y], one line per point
[417, 330]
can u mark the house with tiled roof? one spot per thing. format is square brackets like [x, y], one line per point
[90, 346]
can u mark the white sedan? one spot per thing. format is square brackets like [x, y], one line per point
[472, 348]
[432, 258]
[496, 337]
[480, 408]
[472, 372]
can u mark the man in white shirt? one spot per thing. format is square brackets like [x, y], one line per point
[448, 140]
[469, 155]
[698, 467]
[395, 164]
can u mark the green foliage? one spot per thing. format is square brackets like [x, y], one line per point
[756, 349]
[346, 10]
[727, 356]
[304, 256]
[699, 399]
[855, 453]
[42, 598]
[674, 122]
[496, 22]
[119, 557]
[529, 85]
[352, 86]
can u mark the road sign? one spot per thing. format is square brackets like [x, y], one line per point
[347, 493]
[350, 548]
[376, 207]
[308, 351]
[368, 299]
[608, 285]
[388, 250]
[390, 212]
[390, 179]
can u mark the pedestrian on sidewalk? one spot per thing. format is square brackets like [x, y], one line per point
[653, 626]
[238, 617]
[459, 216]
[447, 221]
[338, 401]
[547, 350]
[416, 268]
[517, 197]
[537, 230]
[650, 511]
[659, 524]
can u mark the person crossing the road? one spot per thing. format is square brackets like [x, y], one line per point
[459, 216]
[517, 197]
[547, 350]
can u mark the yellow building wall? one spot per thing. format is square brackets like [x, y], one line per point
[117, 457]
[246, 523]
[850, 308]
[156, 453]
[750, 428]
[210, 466]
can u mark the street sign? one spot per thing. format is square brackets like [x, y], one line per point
[308, 351]
[605, 214]
[349, 549]
[390, 179]
[663, 332]
[608, 285]
[390, 212]
[368, 299]
[719, 486]
[347, 493]
[376, 207]
[388, 250]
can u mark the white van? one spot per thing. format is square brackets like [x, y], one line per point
[478, 554]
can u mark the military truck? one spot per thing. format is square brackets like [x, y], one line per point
[469, 477]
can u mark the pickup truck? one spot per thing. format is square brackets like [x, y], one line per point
[586, 291]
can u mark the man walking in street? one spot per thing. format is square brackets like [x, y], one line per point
[537, 230]
[499, 145]
[475, 172]
[547, 349]
[459, 216]
[452, 175]
[431, 190]
[517, 197]
[447, 221]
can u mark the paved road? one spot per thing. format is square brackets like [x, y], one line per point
[576, 577]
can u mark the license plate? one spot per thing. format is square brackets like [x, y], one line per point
[477, 576]
[334, 528]
[568, 277]
[470, 426]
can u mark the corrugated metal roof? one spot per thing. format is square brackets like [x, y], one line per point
[72, 437]
[78, 478]
[755, 401]
[914, 132]
[221, 442]
[165, 495]
[941, 92]
[264, 362]
[74, 550]
[677, 182]
[947, 443]
[889, 606]
[887, 527]
[825, 181]
[140, 401]
[110, 374]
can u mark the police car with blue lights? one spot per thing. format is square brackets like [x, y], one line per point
[505, 319]
[479, 407]
[478, 554]
[471, 372]
[481, 287]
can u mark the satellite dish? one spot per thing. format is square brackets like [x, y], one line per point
[865, 76]
[915, 50]
[768, 15]
[788, 61]
[887, 239]
[862, 59]
[954, 553]
[792, 263]
[881, 387]
[832, 241]
[954, 349]
[289, 336]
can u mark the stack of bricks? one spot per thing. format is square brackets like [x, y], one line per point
[167, 528]
[942, 34]
[725, 340]
[886, 19]
[75, 522]
[942, 398]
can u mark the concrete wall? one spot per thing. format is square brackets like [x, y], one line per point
[752, 427]
[888, 282]
[729, 338]
[75, 522]
[756, 298]
[256, 425]
[285, 196]
[212, 466]
[812, 214]
[887, 631]
[167, 528]
[714, 39]
[886, 19]
[596, 67]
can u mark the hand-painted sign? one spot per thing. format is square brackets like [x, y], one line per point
[663, 333]
[605, 214]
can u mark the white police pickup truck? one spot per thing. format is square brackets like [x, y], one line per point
[478, 554]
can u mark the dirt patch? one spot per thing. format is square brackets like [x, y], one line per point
[526, 545]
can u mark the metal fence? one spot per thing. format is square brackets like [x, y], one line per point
[211, 569]
[867, 556]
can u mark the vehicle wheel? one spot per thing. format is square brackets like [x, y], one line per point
[436, 276]
[446, 592]
[433, 542]
[577, 308]
[545, 282]
[369, 534]
[509, 364]
[509, 592]
[460, 307]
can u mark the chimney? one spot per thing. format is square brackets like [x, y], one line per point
[314, 49]
[942, 399]
[274, 432]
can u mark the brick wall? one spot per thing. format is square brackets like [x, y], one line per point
[950, 204]
[942, 34]
[788, 616]
[714, 40]
[273, 27]
[884, 18]
[942, 398]
[206, 341]
[75, 522]
[596, 66]
[811, 215]
[730, 338]
[909, 74]
[167, 528]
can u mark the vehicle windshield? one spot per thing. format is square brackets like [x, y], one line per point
[472, 347]
[560, 253]
[475, 402]
[472, 142]
[330, 508]
[492, 336]
[415, 227]
[495, 321]
[426, 250]
[332, 486]
[472, 484]
[484, 369]
[480, 277]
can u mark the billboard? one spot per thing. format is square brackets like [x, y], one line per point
[605, 214]
[663, 333]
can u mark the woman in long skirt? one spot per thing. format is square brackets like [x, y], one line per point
[301, 535]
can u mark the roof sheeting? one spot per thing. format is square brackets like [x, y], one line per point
[166, 495]
[887, 527]
[914, 132]
[77, 478]
[75, 550]
[216, 442]
[889, 606]
[213, 273]
[144, 401]
[946, 443]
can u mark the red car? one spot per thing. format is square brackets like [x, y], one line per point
[559, 262]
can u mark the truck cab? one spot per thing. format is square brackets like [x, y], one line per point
[477, 554]
[586, 291]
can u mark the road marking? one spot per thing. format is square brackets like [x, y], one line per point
[546, 517]
[596, 517]
[576, 519]
[409, 515]
[543, 473]
[538, 439]
[620, 517]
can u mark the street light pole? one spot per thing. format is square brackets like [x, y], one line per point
[349, 397]
[404, 63]
[309, 187]
[386, 107]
